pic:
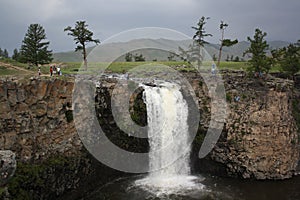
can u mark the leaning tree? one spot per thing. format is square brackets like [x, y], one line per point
[82, 36]
[224, 42]
[34, 49]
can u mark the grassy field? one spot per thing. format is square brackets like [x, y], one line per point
[116, 67]
[123, 67]
[4, 71]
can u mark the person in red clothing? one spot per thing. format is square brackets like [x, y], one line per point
[51, 70]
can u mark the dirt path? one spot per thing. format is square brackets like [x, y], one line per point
[15, 67]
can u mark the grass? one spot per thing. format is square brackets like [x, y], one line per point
[119, 67]
[233, 65]
[115, 67]
[123, 67]
[6, 72]
[13, 62]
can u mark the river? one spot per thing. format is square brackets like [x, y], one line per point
[215, 188]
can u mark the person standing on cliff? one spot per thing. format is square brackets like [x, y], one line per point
[39, 71]
[54, 70]
[58, 70]
[213, 70]
[51, 70]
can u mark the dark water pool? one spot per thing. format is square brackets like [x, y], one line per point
[202, 188]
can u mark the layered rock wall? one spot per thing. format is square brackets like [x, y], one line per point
[260, 137]
[35, 118]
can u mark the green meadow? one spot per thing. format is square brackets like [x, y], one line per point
[116, 67]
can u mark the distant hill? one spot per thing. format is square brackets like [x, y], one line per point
[154, 54]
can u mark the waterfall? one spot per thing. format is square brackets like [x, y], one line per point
[167, 114]
[168, 134]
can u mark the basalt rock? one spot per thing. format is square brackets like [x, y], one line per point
[260, 137]
[259, 140]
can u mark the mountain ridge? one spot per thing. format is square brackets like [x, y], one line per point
[118, 47]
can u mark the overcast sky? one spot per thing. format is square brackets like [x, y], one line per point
[280, 19]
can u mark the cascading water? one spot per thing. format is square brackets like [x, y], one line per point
[168, 131]
[167, 116]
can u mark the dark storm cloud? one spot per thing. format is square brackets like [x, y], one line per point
[278, 18]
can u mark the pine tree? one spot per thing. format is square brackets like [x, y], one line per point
[34, 49]
[82, 36]
[139, 58]
[214, 58]
[16, 55]
[290, 59]
[5, 53]
[128, 57]
[236, 59]
[199, 40]
[259, 61]
[227, 58]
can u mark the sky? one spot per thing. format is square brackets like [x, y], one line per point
[280, 19]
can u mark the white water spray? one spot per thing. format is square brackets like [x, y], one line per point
[167, 116]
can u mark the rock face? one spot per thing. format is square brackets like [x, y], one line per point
[34, 121]
[8, 166]
[260, 138]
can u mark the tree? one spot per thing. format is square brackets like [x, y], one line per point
[139, 58]
[258, 48]
[236, 59]
[214, 58]
[200, 35]
[199, 40]
[224, 42]
[16, 55]
[128, 57]
[289, 59]
[227, 58]
[34, 49]
[4, 53]
[82, 36]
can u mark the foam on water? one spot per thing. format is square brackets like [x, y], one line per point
[167, 185]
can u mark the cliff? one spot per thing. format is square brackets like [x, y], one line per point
[34, 119]
[260, 137]
[36, 123]
[259, 140]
